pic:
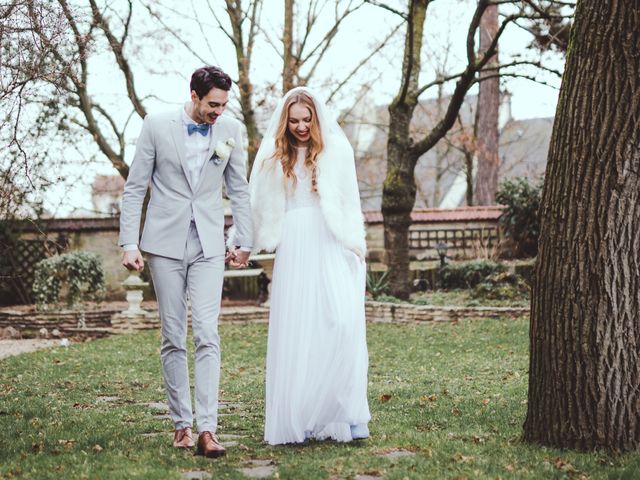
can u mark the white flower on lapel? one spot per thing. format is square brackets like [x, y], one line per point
[223, 150]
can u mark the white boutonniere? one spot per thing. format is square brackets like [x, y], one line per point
[223, 150]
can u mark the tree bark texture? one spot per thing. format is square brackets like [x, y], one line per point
[584, 384]
[487, 116]
[399, 189]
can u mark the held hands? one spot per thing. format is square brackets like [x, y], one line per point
[237, 258]
[132, 260]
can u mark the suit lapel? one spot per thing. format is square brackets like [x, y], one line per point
[214, 136]
[177, 133]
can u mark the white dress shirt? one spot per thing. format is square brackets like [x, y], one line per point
[196, 149]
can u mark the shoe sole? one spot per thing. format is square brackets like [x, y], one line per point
[217, 454]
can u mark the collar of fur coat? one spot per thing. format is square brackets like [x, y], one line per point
[337, 189]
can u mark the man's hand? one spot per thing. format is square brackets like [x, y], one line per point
[230, 253]
[240, 259]
[132, 260]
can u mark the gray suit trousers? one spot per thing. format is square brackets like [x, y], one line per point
[200, 280]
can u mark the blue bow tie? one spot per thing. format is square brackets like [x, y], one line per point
[203, 129]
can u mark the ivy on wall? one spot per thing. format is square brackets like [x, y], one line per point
[77, 276]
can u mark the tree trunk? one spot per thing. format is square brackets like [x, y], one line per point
[399, 189]
[398, 198]
[585, 325]
[243, 61]
[468, 173]
[487, 116]
[287, 43]
[253, 134]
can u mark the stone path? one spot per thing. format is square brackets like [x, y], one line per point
[258, 469]
[106, 399]
[197, 475]
[255, 467]
[9, 348]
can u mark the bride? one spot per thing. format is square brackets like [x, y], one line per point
[305, 205]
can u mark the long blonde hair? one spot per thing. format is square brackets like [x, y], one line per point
[285, 151]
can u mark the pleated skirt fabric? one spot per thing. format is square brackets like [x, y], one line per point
[316, 380]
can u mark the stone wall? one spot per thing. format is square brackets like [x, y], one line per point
[93, 323]
[382, 312]
[97, 323]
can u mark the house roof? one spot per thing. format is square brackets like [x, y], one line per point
[523, 150]
[111, 184]
[462, 214]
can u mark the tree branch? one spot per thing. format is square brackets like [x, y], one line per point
[117, 48]
[174, 34]
[224, 30]
[384, 6]
[362, 63]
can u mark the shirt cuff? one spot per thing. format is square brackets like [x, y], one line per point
[129, 247]
[245, 249]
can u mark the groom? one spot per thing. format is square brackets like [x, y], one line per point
[183, 156]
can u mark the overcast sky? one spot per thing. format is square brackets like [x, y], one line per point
[444, 32]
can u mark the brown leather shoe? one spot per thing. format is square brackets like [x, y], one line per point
[183, 438]
[209, 446]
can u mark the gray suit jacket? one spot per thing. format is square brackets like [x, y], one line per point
[159, 163]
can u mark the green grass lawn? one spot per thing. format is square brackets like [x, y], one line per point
[464, 298]
[453, 395]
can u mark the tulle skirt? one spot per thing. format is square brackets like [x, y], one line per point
[316, 382]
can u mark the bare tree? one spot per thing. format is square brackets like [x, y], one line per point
[300, 57]
[403, 152]
[25, 60]
[298, 54]
[27, 72]
[244, 56]
[78, 107]
[241, 27]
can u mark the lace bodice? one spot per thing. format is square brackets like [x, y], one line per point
[300, 195]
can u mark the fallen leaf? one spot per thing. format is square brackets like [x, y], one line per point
[430, 398]
[67, 443]
[564, 465]
[385, 397]
[458, 457]
[374, 473]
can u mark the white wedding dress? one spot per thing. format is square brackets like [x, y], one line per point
[316, 382]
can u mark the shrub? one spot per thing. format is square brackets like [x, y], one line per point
[388, 299]
[502, 286]
[468, 274]
[520, 218]
[81, 274]
[377, 283]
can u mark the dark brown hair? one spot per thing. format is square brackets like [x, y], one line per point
[206, 78]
